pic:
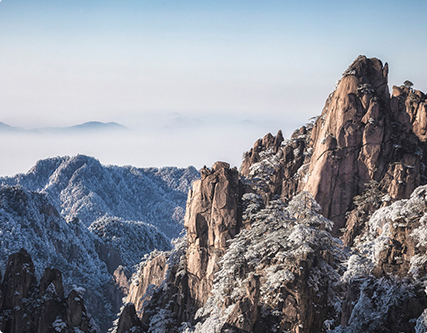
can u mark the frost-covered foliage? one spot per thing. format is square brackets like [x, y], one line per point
[379, 297]
[28, 220]
[84, 191]
[421, 326]
[132, 240]
[372, 195]
[357, 266]
[81, 187]
[162, 321]
[279, 239]
[420, 233]
[269, 161]
[382, 223]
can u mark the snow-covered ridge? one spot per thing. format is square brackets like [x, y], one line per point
[86, 257]
[122, 236]
[80, 186]
[86, 219]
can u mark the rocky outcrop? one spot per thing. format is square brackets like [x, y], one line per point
[253, 156]
[275, 275]
[348, 138]
[406, 102]
[211, 220]
[150, 275]
[129, 320]
[30, 307]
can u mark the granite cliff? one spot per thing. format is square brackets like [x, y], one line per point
[324, 232]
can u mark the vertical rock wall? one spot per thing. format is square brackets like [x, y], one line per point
[348, 138]
[211, 220]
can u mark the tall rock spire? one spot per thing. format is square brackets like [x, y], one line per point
[348, 138]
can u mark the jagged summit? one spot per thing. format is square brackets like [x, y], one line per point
[362, 135]
[28, 306]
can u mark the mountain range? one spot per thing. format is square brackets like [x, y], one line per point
[92, 222]
[85, 128]
[80, 186]
[323, 232]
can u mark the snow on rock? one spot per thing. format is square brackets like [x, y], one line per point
[39, 307]
[28, 220]
[386, 272]
[290, 255]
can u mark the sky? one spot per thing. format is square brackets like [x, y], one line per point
[194, 81]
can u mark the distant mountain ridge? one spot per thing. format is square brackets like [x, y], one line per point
[87, 127]
[80, 186]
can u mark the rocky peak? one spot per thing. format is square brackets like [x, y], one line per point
[27, 306]
[19, 278]
[151, 275]
[129, 320]
[52, 277]
[362, 135]
[253, 156]
[348, 138]
[410, 107]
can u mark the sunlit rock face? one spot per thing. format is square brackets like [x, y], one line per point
[348, 138]
[211, 221]
[362, 135]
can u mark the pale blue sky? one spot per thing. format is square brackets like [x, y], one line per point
[183, 73]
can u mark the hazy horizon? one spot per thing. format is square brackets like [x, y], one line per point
[195, 81]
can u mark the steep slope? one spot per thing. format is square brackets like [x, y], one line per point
[81, 187]
[273, 262]
[29, 220]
